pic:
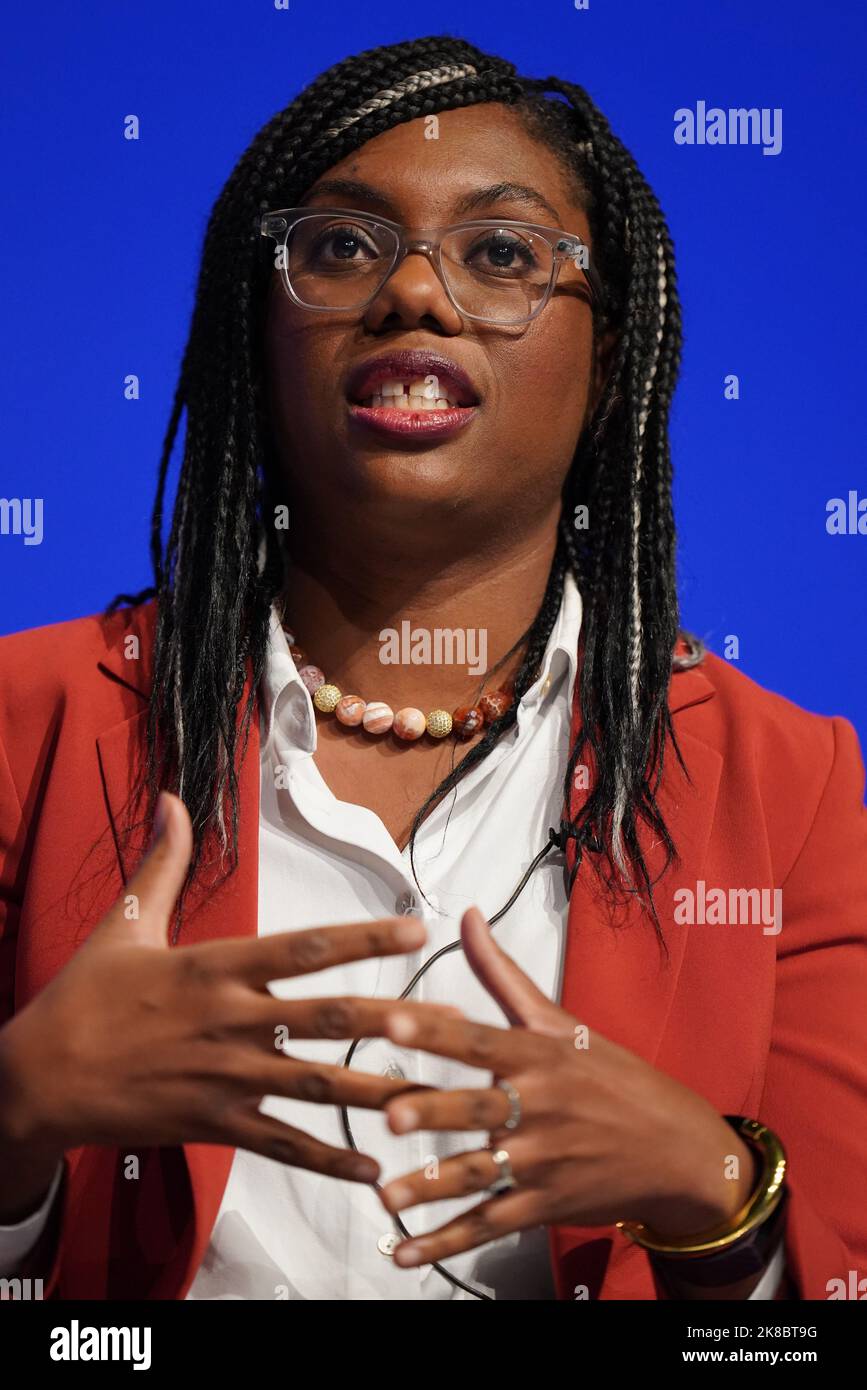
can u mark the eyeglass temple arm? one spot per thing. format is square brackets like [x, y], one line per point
[565, 252]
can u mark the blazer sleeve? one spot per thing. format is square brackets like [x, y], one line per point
[815, 1094]
[39, 1254]
[12, 839]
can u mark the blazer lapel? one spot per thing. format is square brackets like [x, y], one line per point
[617, 978]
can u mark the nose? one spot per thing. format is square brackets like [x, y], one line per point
[412, 294]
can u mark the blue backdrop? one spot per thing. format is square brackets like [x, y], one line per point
[102, 237]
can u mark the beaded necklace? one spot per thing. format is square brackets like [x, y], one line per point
[409, 724]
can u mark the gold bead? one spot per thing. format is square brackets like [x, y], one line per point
[439, 723]
[326, 698]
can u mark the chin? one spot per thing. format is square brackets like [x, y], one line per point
[427, 475]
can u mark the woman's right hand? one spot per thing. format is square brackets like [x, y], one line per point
[134, 1043]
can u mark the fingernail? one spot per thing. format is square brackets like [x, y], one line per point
[365, 1169]
[398, 1195]
[409, 934]
[404, 1119]
[400, 1027]
[407, 1255]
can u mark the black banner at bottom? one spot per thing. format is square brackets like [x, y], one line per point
[227, 1337]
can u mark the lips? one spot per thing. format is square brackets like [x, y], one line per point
[364, 380]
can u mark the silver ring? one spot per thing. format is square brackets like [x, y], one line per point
[505, 1179]
[514, 1105]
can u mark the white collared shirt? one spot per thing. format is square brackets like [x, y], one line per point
[286, 1233]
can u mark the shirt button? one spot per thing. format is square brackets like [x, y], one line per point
[392, 1070]
[407, 905]
[386, 1245]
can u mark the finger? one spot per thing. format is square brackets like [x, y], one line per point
[278, 1021]
[291, 953]
[262, 1134]
[519, 998]
[143, 911]
[458, 1176]
[503, 1051]
[456, 1110]
[318, 1082]
[517, 1211]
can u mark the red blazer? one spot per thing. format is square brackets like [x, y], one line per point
[763, 1025]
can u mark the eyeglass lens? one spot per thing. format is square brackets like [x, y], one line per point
[496, 272]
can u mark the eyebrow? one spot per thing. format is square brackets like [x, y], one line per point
[481, 198]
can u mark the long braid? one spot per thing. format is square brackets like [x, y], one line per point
[222, 564]
[626, 567]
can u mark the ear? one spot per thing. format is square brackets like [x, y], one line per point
[604, 354]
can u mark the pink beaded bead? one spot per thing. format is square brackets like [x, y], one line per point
[350, 709]
[378, 717]
[312, 678]
[409, 724]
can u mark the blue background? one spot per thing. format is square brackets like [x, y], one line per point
[102, 238]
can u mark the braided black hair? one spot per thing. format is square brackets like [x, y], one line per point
[223, 564]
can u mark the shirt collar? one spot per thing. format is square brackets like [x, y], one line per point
[561, 651]
[281, 682]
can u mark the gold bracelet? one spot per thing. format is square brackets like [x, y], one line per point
[756, 1210]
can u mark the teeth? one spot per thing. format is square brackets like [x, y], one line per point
[418, 394]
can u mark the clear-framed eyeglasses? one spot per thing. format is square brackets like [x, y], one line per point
[493, 269]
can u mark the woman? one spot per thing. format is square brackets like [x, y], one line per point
[417, 610]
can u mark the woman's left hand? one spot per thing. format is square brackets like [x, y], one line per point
[603, 1136]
